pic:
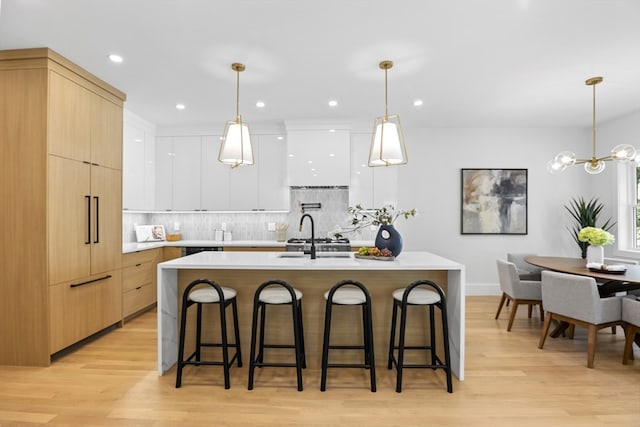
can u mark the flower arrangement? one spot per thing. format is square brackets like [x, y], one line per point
[595, 236]
[386, 215]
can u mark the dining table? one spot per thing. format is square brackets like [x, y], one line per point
[609, 282]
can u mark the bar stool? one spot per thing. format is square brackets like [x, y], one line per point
[212, 293]
[276, 292]
[349, 292]
[415, 294]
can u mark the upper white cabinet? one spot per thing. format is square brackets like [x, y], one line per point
[189, 176]
[318, 157]
[214, 182]
[370, 187]
[138, 163]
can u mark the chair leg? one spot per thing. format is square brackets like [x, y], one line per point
[325, 345]
[392, 341]
[541, 311]
[400, 362]
[571, 331]
[514, 309]
[445, 337]
[613, 329]
[591, 345]
[252, 354]
[234, 306]
[629, 333]
[530, 310]
[368, 344]
[502, 300]
[545, 329]
[225, 345]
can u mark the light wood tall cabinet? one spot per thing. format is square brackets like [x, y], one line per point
[61, 174]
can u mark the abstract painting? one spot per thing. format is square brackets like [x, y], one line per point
[494, 201]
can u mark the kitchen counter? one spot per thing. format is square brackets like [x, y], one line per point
[245, 271]
[134, 247]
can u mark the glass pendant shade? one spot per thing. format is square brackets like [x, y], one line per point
[554, 167]
[236, 148]
[387, 144]
[594, 167]
[623, 152]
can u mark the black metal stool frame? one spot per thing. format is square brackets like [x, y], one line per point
[436, 363]
[224, 344]
[298, 332]
[367, 329]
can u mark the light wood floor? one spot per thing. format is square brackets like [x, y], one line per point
[112, 381]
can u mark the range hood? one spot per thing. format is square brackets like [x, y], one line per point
[318, 155]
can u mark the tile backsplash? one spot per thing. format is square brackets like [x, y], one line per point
[253, 225]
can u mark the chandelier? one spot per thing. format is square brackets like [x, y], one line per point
[595, 164]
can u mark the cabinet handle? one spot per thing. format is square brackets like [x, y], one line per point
[75, 285]
[138, 265]
[138, 288]
[97, 199]
[88, 199]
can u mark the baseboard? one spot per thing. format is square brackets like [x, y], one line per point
[479, 289]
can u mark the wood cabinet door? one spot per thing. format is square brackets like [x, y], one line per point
[106, 133]
[69, 120]
[83, 307]
[69, 201]
[106, 219]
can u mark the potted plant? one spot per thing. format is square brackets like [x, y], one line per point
[585, 214]
[384, 217]
[596, 238]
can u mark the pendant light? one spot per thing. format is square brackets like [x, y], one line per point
[235, 149]
[387, 144]
[594, 165]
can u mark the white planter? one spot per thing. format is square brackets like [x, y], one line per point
[595, 254]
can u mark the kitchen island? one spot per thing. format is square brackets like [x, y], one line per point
[245, 271]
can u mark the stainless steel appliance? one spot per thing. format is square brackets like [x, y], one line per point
[322, 245]
[188, 250]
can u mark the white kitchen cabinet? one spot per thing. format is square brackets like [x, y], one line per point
[370, 187]
[273, 189]
[214, 182]
[189, 176]
[164, 173]
[187, 153]
[138, 159]
[318, 157]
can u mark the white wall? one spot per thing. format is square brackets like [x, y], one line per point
[431, 183]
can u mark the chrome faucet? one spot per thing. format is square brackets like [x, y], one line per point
[313, 235]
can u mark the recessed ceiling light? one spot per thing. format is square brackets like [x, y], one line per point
[417, 102]
[332, 130]
[115, 58]
[309, 161]
[290, 155]
[137, 140]
[180, 106]
[331, 155]
[260, 104]
[279, 138]
[333, 103]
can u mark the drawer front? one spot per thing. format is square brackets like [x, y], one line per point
[140, 257]
[137, 299]
[83, 307]
[138, 275]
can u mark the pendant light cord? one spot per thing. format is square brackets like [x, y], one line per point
[593, 127]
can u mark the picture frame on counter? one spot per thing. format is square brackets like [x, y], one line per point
[150, 233]
[494, 201]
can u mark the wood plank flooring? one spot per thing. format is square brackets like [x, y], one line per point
[112, 381]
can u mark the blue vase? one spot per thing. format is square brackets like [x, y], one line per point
[389, 238]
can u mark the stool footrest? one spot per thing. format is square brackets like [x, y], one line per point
[348, 365]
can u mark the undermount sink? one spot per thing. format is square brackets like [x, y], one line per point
[318, 255]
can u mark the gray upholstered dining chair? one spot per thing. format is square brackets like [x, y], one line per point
[575, 300]
[517, 291]
[631, 324]
[526, 271]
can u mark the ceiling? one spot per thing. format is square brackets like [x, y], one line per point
[497, 63]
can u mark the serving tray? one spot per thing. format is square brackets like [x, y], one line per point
[377, 258]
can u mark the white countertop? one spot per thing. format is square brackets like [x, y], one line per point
[134, 247]
[296, 261]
